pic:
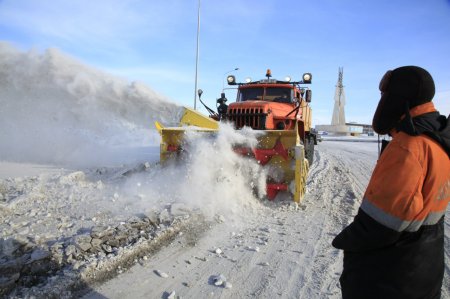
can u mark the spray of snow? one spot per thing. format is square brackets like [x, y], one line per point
[54, 109]
[209, 176]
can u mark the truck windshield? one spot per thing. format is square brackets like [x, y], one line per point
[251, 94]
[270, 94]
[277, 94]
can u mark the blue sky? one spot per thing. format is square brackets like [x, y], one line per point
[155, 42]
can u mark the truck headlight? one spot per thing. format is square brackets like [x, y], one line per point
[231, 80]
[307, 78]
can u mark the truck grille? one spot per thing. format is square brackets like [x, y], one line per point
[250, 117]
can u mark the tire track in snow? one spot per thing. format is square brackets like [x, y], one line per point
[336, 185]
[332, 200]
[446, 284]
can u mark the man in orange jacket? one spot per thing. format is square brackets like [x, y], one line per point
[395, 246]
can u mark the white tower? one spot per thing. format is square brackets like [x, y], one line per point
[339, 102]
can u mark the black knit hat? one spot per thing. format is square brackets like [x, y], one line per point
[401, 90]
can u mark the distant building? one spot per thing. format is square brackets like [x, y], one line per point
[349, 129]
[365, 129]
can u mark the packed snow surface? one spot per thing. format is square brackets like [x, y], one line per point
[86, 209]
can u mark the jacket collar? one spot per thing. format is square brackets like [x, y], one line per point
[422, 109]
[416, 111]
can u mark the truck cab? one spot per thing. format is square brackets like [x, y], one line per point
[271, 104]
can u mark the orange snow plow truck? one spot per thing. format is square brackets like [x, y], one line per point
[279, 108]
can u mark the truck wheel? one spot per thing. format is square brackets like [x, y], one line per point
[309, 150]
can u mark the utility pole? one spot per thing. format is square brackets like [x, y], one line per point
[196, 57]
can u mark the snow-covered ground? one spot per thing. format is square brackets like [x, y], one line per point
[85, 209]
[267, 250]
[279, 251]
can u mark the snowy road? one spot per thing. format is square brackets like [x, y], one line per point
[278, 252]
[267, 250]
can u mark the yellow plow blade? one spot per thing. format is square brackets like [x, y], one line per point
[193, 118]
[172, 137]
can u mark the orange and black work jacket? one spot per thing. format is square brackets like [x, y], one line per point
[395, 246]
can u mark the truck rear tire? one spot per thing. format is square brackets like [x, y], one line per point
[309, 149]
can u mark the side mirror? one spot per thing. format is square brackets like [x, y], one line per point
[200, 92]
[308, 95]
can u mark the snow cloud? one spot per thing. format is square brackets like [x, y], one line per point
[54, 109]
[209, 177]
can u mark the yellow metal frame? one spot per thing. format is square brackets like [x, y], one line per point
[194, 118]
[306, 115]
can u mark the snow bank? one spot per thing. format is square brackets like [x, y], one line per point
[54, 109]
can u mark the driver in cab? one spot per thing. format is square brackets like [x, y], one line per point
[283, 99]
